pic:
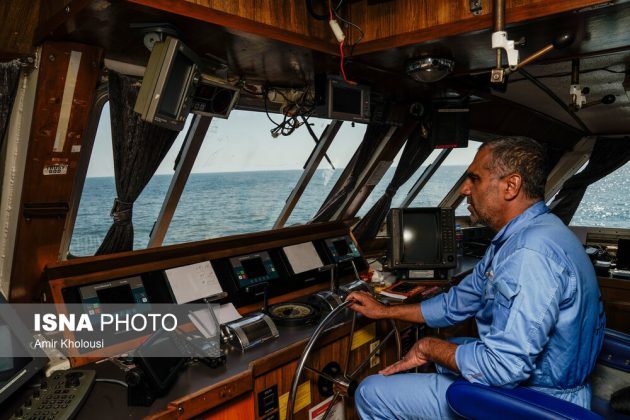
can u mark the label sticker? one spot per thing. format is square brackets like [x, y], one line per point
[337, 412]
[55, 169]
[302, 400]
[363, 336]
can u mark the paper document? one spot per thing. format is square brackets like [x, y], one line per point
[193, 282]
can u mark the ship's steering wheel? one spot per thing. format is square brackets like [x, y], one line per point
[332, 379]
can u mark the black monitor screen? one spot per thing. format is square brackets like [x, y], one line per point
[421, 241]
[176, 86]
[254, 267]
[116, 294]
[623, 254]
[346, 100]
[342, 248]
[421, 238]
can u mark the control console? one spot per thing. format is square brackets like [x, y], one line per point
[58, 397]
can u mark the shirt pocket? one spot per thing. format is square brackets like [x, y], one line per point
[503, 300]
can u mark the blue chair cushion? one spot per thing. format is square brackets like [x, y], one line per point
[615, 352]
[476, 401]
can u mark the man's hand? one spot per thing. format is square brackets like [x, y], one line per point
[365, 304]
[414, 358]
[428, 349]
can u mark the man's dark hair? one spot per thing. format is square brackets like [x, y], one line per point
[523, 156]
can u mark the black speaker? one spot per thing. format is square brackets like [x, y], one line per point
[448, 124]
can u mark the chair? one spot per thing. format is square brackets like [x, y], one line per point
[476, 401]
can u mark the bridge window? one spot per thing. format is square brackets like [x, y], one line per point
[243, 176]
[438, 186]
[99, 191]
[605, 202]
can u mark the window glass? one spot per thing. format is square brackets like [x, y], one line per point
[93, 219]
[340, 152]
[605, 202]
[438, 186]
[243, 176]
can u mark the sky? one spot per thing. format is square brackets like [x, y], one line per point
[244, 143]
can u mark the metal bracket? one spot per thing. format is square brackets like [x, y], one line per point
[578, 98]
[499, 40]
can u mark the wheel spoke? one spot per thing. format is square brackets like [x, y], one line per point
[349, 353]
[320, 373]
[372, 353]
[331, 405]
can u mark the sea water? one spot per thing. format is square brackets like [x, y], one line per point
[221, 204]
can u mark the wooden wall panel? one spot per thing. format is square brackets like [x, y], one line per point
[18, 20]
[39, 232]
[406, 22]
[291, 15]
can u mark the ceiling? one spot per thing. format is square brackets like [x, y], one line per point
[602, 42]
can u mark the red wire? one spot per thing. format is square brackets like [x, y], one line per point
[330, 9]
[341, 64]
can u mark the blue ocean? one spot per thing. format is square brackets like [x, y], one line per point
[222, 204]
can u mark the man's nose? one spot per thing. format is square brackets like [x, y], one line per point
[465, 188]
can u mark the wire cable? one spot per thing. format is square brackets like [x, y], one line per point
[112, 381]
[555, 97]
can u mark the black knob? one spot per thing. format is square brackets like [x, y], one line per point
[609, 99]
[563, 41]
[72, 381]
[450, 258]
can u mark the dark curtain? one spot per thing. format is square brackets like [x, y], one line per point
[608, 155]
[139, 147]
[9, 77]
[371, 138]
[416, 151]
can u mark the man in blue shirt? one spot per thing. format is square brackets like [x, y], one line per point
[534, 296]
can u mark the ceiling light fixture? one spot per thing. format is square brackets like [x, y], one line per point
[429, 69]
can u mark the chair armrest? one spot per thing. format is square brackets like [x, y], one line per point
[476, 401]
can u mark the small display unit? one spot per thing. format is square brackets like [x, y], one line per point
[169, 82]
[128, 292]
[253, 269]
[342, 249]
[346, 101]
[421, 239]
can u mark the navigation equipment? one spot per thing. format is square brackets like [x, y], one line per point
[421, 238]
[342, 248]
[253, 269]
[169, 82]
[214, 98]
[346, 101]
[449, 125]
[122, 291]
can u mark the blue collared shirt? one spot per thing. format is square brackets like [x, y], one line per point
[537, 305]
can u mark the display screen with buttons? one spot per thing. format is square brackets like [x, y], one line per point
[253, 269]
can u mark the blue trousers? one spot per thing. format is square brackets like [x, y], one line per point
[404, 396]
[420, 396]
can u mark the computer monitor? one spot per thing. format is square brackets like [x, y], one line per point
[421, 238]
[169, 82]
[17, 363]
[346, 101]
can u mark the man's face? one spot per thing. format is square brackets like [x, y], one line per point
[482, 190]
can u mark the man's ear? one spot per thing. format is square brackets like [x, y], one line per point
[513, 184]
